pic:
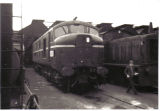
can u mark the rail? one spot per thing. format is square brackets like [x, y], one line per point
[118, 99]
[124, 65]
[32, 102]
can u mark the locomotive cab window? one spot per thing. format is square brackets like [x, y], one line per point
[77, 28]
[65, 29]
[93, 31]
[59, 32]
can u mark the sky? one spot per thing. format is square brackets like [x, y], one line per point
[137, 12]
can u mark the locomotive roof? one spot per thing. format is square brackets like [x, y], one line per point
[74, 22]
[67, 23]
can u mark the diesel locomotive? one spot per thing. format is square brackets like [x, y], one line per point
[71, 54]
[142, 49]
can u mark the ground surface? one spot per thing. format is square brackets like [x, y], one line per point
[105, 97]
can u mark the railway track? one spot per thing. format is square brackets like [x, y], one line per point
[103, 96]
[123, 101]
[130, 104]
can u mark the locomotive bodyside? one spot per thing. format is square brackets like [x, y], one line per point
[71, 51]
[143, 50]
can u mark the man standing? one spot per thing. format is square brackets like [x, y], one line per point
[130, 72]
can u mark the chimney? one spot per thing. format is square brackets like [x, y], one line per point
[34, 21]
[150, 29]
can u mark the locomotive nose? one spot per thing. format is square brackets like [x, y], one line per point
[83, 41]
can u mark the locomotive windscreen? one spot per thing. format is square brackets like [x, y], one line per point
[75, 28]
[82, 29]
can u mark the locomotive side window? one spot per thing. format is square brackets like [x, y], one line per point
[39, 44]
[44, 47]
[36, 46]
[49, 36]
[46, 42]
